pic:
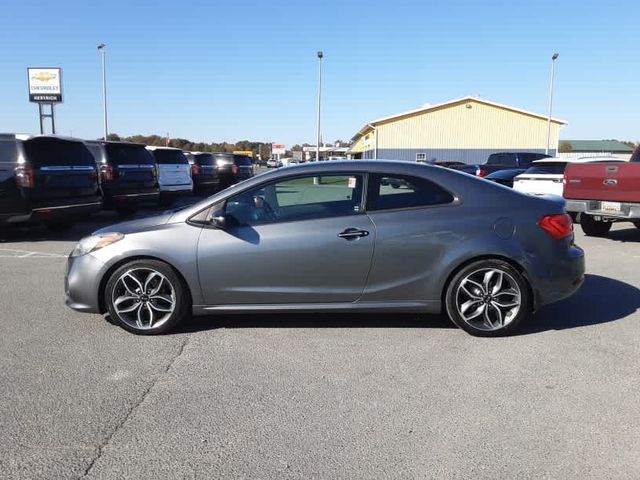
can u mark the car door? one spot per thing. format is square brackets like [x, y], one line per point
[302, 240]
[415, 221]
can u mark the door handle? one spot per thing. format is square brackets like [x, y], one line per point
[353, 233]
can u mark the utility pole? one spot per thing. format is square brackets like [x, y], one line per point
[320, 55]
[553, 72]
[103, 52]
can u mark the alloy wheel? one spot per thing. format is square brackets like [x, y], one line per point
[488, 299]
[143, 298]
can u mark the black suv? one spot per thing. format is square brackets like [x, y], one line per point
[46, 179]
[204, 171]
[128, 174]
[232, 168]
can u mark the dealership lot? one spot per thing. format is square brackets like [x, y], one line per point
[317, 396]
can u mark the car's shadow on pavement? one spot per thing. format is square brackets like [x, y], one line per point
[631, 234]
[315, 320]
[599, 300]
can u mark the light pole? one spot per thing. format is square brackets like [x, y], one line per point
[103, 52]
[320, 55]
[553, 73]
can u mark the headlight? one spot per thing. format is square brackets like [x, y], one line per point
[95, 242]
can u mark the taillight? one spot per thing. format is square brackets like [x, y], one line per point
[24, 177]
[195, 169]
[106, 173]
[558, 226]
[481, 172]
[234, 169]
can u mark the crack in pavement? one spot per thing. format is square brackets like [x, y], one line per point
[133, 408]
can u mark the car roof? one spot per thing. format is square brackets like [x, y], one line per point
[154, 147]
[114, 142]
[576, 160]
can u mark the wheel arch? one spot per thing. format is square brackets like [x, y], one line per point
[105, 278]
[503, 258]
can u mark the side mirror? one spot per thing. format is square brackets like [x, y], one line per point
[219, 220]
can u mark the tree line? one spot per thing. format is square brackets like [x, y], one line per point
[262, 148]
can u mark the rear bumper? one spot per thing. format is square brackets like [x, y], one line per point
[176, 189]
[628, 210]
[559, 280]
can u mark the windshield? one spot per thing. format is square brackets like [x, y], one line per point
[556, 168]
[123, 154]
[169, 157]
[54, 151]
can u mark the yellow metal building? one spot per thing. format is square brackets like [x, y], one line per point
[467, 130]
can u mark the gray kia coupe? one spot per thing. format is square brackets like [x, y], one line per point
[354, 236]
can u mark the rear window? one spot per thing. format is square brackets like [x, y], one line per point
[8, 151]
[119, 154]
[547, 168]
[242, 160]
[502, 159]
[170, 157]
[49, 151]
[203, 158]
[223, 158]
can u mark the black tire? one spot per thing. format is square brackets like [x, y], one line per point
[166, 200]
[59, 226]
[456, 299]
[592, 227]
[125, 210]
[114, 289]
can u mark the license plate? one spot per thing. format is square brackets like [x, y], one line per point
[613, 207]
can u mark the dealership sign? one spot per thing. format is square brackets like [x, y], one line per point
[45, 85]
[278, 149]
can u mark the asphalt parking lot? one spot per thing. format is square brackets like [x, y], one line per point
[317, 396]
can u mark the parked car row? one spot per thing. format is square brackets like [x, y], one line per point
[57, 180]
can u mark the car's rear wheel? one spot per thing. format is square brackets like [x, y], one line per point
[592, 227]
[146, 297]
[488, 298]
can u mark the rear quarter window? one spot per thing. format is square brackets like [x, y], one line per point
[388, 192]
[203, 158]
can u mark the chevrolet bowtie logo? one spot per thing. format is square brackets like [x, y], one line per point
[43, 76]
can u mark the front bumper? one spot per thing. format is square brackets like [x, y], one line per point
[82, 283]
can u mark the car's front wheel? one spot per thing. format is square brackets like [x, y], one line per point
[488, 298]
[146, 297]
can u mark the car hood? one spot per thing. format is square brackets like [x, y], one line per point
[138, 224]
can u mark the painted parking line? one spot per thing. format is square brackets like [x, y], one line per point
[15, 253]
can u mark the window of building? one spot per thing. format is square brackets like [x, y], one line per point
[402, 191]
[421, 157]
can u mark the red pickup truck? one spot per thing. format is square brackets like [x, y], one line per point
[601, 193]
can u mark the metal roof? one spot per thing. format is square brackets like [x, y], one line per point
[427, 108]
[613, 146]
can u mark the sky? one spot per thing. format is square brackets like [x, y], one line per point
[231, 70]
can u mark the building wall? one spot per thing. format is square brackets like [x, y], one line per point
[468, 132]
[471, 155]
